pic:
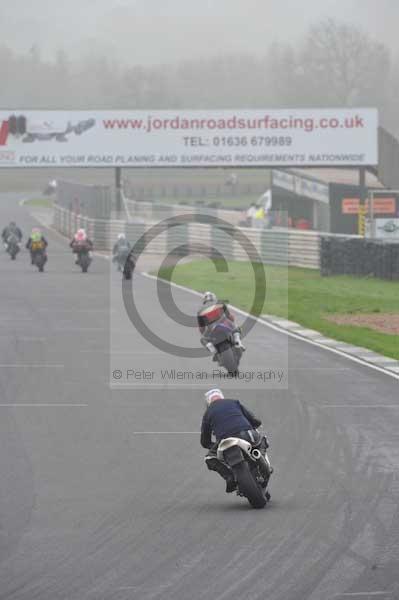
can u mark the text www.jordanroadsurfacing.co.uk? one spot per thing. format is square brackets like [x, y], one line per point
[266, 123]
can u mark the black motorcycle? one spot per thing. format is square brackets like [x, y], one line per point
[220, 334]
[128, 267]
[121, 257]
[250, 467]
[13, 246]
[39, 259]
[84, 260]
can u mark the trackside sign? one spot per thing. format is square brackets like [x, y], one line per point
[200, 138]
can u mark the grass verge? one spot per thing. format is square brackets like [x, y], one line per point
[40, 202]
[301, 295]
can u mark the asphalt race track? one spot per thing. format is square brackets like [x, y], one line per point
[92, 507]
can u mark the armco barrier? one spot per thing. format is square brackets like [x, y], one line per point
[274, 246]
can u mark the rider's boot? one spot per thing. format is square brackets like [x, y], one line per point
[214, 464]
[237, 341]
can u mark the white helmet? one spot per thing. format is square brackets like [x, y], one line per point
[209, 297]
[121, 236]
[212, 395]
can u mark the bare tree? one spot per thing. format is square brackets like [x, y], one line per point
[343, 65]
[336, 64]
[282, 75]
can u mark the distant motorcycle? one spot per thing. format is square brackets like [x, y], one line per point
[50, 188]
[39, 259]
[220, 334]
[129, 266]
[121, 257]
[12, 246]
[250, 467]
[84, 260]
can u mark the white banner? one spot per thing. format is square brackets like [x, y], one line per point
[218, 138]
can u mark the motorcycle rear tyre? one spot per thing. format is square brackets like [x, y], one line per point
[248, 486]
[229, 360]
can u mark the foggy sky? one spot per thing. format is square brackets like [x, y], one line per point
[164, 31]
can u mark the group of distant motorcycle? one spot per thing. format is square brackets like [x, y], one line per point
[81, 246]
[36, 244]
[237, 450]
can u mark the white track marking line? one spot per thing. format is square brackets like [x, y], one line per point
[75, 310]
[285, 332]
[15, 319]
[126, 353]
[79, 329]
[30, 366]
[360, 406]
[42, 405]
[165, 432]
[354, 594]
[332, 369]
[91, 383]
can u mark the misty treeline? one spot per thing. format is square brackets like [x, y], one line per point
[334, 64]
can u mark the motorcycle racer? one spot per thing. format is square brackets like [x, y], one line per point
[36, 243]
[211, 311]
[11, 229]
[81, 243]
[225, 418]
[121, 251]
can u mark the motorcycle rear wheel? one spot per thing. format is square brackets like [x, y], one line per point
[248, 486]
[84, 264]
[229, 360]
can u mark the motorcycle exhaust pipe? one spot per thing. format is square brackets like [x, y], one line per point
[256, 454]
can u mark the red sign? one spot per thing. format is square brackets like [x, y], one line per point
[350, 206]
[381, 206]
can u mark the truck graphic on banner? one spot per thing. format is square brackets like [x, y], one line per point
[42, 130]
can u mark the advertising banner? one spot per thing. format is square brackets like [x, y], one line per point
[182, 138]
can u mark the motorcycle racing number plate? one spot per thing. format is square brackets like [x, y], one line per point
[233, 456]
